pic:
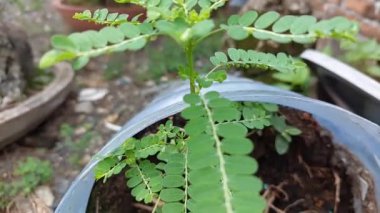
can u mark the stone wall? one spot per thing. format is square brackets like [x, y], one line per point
[365, 12]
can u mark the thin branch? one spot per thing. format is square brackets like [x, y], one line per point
[156, 204]
[307, 167]
[295, 203]
[213, 70]
[142, 206]
[337, 191]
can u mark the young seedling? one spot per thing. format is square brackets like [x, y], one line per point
[206, 165]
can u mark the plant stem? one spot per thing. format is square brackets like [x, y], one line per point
[190, 65]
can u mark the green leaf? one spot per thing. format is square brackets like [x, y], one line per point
[218, 76]
[270, 107]
[129, 144]
[172, 195]
[202, 28]
[212, 95]
[283, 24]
[234, 54]
[97, 40]
[245, 183]
[174, 168]
[192, 99]
[238, 146]
[171, 181]
[103, 168]
[278, 123]
[232, 130]
[221, 57]
[237, 32]
[112, 16]
[204, 4]
[266, 19]
[103, 14]
[241, 165]
[135, 44]
[172, 208]
[193, 112]
[219, 102]
[129, 30]
[233, 20]
[189, 4]
[301, 24]
[248, 18]
[112, 34]
[293, 131]
[134, 181]
[80, 62]
[204, 176]
[166, 27]
[281, 145]
[81, 40]
[199, 194]
[87, 13]
[203, 82]
[146, 28]
[200, 160]
[215, 60]
[53, 57]
[196, 126]
[63, 42]
[221, 114]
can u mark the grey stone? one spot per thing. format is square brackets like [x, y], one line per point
[45, 194]
[84, 107]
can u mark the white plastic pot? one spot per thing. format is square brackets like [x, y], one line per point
[359, 135]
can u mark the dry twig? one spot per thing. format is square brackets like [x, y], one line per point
[337, 191]
[143, 207]
[271, 195]
[295, 203]
[298, 180]
[307, 167]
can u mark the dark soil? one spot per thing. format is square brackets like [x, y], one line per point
[311, 177]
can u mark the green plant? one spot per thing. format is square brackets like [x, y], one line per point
[211, 151]
[364, 55]
[30, 173]
[157, 56]
[75, 145]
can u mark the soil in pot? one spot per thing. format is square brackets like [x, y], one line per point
[315, 175]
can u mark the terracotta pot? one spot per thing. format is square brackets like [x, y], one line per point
[15, 122]
[67, 12]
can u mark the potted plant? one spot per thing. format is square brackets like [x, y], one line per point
[210, 146]
[27, 94]
[68, 8]
[351, 81]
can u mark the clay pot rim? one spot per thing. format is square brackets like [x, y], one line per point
[47, 100]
